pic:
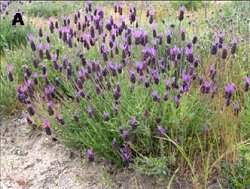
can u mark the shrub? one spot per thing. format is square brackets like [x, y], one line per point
[130, 93]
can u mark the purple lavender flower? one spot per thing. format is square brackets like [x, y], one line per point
[117, 92]
[194, 40]
[156, 76]
[50, 108]
[49, 92]
[29, 120]
[35, 63]
[90, 111]
[32, 43]
[224, 53]
[47, 126]
[206, 87]
[221, 37]
[174, 53]
[126, 154]
[106, 116]
[186, 78]
[47, 39]
[98, 89]
[189, 54]
[155, 96]
[119, 68]
[125, 134]
[147, 83]
[30, 109]
[115, 8]
[132, 76]
[229, 90]
[212, 72]
[169, 36]
[40, 32]
[246, 83]
[177, 100]
[181, 13]
[56, 25]
[139, 67]
[47, 52]
[132, 14]
[161, 131]
[196, 62]
[22, 94]
[35, 78]
[120, 9]
[166, 95]
[30, 87]
[214, 49]
[234, 46]
[44, 69]
[183, 34]
[133, 123]
[90, 154]
[154, 30]
[40, 50]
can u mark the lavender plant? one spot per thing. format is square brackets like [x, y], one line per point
[124, 91]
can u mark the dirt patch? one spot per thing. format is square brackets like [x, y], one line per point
[30, 159]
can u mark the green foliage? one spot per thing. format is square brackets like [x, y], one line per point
[12, 37]
[234, 17]
[198, 131]
[18, 58]
[239, 175]
[182, 123]
[150, 166]
[51, 8]
[8, 103]
[190, 5]
[245, 118]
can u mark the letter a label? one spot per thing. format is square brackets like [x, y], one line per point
[17, 18]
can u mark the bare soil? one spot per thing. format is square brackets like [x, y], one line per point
[30, 159]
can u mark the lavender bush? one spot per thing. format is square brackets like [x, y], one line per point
[127, 91]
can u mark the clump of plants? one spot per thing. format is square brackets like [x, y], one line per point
[127, 92]
[190, 5]
[12, 37]
[50, 8]
[239, 174]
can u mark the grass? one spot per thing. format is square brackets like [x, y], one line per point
[18, 58]
[8, 103]
[12, 37]
[190, 5]
[51, 8]
[239, 174]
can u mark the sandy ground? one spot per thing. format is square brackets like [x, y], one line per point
[30, 159]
